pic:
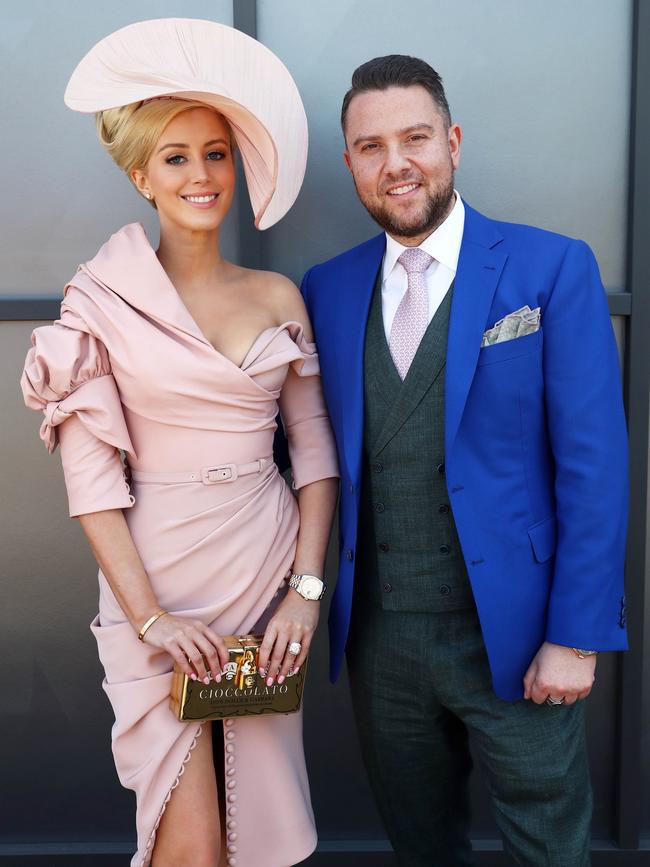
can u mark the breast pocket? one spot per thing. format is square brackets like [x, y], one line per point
[519, 346]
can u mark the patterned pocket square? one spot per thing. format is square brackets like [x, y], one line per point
[518, 324]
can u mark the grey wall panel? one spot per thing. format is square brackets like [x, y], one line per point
[62, 195]
[541, 91]
[55, 723]
[618, 326]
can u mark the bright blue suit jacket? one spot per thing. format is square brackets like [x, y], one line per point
[535, 439]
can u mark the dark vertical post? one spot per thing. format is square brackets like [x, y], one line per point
[251, 247]
[638, 404]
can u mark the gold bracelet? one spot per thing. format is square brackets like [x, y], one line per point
[150, 622]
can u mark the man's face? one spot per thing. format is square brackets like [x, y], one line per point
[402, 157]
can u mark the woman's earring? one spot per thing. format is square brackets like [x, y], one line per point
[147, 195]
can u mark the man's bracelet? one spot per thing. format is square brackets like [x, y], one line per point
[150, 622]
[583, 654]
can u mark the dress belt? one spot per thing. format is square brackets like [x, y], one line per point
[214, 475]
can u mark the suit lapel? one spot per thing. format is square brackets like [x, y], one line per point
[355, 289]
[477, 276]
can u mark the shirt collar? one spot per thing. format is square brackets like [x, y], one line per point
[443, 244]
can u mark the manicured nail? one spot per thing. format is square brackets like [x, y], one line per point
[281, 679]
[206, 680]
[218, 678]
[263, 672]
[193, 676]
[296, 670]
[269, 681]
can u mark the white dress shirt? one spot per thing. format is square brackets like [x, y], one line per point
[443, 245]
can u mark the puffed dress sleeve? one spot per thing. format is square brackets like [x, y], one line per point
[68, 377]
[312, 449]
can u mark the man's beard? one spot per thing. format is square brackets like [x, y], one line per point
[436, 209]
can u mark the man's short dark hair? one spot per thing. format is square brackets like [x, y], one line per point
[396, 70]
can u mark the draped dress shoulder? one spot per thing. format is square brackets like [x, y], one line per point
[126, 369]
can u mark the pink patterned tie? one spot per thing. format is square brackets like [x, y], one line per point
[412, 316]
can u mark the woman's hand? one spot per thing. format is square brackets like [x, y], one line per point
[295, 620]
[187, 641]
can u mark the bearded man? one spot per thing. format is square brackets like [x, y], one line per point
[473, 384]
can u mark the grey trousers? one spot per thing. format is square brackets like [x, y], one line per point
[420, 682]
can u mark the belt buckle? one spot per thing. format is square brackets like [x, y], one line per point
[216, 475]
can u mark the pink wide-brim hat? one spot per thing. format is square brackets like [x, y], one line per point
[215, 64]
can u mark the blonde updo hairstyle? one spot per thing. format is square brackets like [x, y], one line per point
[130, 133]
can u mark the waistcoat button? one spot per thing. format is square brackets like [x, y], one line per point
[383, 547]
[379, 507]
[444, 549]
[387, 588]
[377, 468]
[441, 469]
[443, 508]
[445, 589]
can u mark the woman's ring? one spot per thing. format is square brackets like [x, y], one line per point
[554, 702]
[294, 648]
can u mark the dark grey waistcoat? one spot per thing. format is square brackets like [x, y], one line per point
[408, 554]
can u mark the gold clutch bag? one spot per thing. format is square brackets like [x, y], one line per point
[242, 691]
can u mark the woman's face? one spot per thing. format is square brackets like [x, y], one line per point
[191, 173]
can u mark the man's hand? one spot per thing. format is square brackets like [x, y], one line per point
[558, 671]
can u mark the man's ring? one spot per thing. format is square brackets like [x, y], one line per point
[554, 702]
[294, 648]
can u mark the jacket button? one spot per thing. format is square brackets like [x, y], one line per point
[350, 554]
[443, 508]
[379, 507]
[377, 468]
[383, 547]
[387, 588]
[444, 549]
[441, 469]
[445, 589]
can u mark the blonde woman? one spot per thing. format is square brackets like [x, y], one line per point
[181, 360]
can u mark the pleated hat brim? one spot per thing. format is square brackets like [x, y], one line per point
[221, 67]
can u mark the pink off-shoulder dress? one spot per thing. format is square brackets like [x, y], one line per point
[127, 368]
